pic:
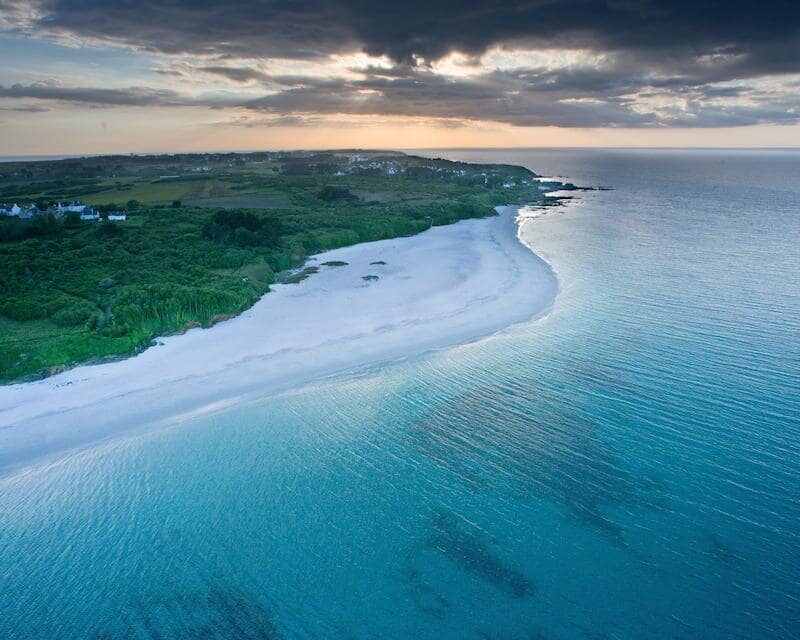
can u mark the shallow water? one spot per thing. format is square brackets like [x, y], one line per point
[627, 467]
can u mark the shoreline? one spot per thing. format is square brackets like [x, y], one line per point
[449, 285]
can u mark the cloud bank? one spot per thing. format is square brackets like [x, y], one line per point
[569, 63]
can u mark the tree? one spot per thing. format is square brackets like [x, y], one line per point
[42, 226]
[72, 219]
[244, 237]
[108, 229]
[337, 194]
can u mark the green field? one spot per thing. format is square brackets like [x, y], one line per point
[200, 248]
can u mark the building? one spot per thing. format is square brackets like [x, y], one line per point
[14, 210]
[26, 213]
[117, 215]
[89, 214]
[73, 207]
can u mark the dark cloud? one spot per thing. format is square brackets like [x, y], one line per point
[175, 73]
[236, 74]
[534, 98]
[764, 35]
[257, 121]
[132, 96]
[29, 108]
[253, 28]
[656, 62]
[521, 98]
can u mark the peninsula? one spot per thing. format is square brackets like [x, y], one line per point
[101, 255]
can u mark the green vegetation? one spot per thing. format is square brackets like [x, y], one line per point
[188, 254]
[293, 277]
[337, 194]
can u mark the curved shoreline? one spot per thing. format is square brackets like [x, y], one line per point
[447, 286]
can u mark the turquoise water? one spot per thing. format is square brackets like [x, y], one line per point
[627, 467]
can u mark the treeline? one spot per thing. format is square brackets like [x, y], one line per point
[44, 225]
[13, 229]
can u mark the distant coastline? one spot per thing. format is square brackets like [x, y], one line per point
[413, 150]
[42, 158]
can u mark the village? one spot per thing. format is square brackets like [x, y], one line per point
[59, 210]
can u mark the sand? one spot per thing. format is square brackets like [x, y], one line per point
[443, 287]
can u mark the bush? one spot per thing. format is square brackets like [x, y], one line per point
[23, 309]
[73, 314]
[42, 226]
[244, 237]
[337, 194]
[269, 235]
[72, 219]
[243, 228]
[234, 218]
[108, 229]
[11, 229]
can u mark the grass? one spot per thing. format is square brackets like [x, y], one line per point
[157, 192]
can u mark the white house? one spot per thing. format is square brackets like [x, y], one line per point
[15, 210]
[117, 215]
[74, 207]
[28, 212]
[89, 214]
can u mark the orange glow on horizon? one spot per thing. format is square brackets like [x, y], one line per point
[92, 131]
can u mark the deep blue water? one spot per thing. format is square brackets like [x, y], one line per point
[627, 467]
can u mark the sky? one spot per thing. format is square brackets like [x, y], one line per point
[97, 76]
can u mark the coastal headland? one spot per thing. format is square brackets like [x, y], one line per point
[101, 255]
[338, 311]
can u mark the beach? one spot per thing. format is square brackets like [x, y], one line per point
[392, 299]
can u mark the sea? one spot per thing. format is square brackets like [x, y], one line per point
[625, 467]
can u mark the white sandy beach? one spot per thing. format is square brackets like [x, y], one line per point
[443, 287]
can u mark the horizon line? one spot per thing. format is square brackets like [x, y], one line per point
[64, 156]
